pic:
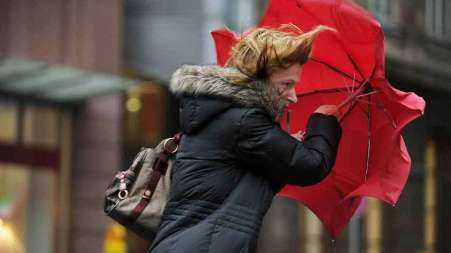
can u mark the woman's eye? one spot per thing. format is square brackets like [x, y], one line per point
[287, 84]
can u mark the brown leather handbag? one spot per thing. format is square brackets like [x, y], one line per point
[137, 196]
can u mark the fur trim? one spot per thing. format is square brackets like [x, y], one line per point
[211, 81]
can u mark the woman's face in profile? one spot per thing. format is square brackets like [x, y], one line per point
[284, 80]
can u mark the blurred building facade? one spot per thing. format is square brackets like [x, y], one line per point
[55, 204]
[61, 122]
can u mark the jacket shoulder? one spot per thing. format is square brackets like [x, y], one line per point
[253, 117]
[243, 114]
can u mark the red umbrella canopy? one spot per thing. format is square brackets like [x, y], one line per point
[372, 158]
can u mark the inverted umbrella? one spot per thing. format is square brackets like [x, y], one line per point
[346, 68]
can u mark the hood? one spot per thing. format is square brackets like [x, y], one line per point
[212, 92]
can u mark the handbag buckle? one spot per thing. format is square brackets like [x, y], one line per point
[170, 145]
[122, 194]
[146, 194]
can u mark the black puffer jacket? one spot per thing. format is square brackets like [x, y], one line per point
[232, 159]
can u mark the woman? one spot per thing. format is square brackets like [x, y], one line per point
[233, 156]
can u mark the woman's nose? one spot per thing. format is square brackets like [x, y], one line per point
[291, 96]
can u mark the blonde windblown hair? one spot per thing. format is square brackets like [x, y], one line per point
[263, 50]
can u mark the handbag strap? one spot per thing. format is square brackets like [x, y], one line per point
[159, 168]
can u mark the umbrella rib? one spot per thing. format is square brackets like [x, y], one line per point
[322, 91]
[379, 106]
[331, 90]
[386, 113]
[347, 86]
[352, 85]
[353, 80]
[368, 149]
[367, 94]
[337, 70]
[356, 66]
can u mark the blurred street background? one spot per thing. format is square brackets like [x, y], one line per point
[84, 84]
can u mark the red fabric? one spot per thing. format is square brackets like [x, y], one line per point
[224, 39]
[372, 158]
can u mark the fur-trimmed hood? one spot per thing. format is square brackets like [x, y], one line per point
[212, 81]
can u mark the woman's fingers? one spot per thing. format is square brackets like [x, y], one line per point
[299, 135]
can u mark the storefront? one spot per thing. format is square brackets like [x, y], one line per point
[37, 104]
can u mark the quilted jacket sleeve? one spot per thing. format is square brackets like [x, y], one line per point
[272, 153]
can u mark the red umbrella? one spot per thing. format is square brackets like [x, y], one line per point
[346, 67]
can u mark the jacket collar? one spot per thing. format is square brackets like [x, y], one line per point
[191, 80]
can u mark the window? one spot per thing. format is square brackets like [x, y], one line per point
[8, 120]
[435, 19]
[33, 195]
